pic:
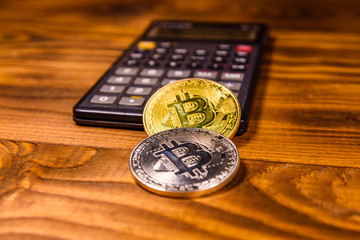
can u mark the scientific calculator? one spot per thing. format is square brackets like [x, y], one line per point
[228, 53]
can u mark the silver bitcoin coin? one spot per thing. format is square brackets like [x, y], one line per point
[184, 162]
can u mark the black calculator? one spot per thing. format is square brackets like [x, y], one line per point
[228, 53]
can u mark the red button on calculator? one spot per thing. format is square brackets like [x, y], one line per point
[244, 48]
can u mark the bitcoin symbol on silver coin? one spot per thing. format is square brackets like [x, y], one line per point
[188, 158]
[184, 162]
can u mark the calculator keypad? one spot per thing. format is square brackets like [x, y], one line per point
[151, 65]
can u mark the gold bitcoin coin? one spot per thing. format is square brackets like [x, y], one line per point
[193, 102]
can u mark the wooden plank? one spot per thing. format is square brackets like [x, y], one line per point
[89, 193]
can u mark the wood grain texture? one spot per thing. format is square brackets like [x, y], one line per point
[85, 193]
[299, 176]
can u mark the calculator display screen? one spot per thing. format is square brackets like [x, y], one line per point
[213, 34]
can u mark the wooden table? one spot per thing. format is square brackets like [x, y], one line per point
[300, 163]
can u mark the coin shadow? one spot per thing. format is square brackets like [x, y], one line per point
[239, 178]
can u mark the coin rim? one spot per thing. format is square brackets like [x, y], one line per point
[159, 91]
[184, 194]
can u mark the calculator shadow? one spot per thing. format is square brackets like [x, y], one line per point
[259, 93]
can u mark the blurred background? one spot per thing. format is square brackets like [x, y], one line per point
[303, 15]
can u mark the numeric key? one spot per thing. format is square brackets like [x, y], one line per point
[178, 73]
[126, 71]
[146, 81]
[182, 51]
[143, 91]
[111, 89]
[151, 72]
[119, 80]
[106, 100]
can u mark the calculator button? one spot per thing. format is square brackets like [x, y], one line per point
[198, 58]
[146, 81]
[98, 99]
[244, 48]
[112, 89]
[229, 76]
[177, 57]
[224, 46]
[200, 52]
[146, 45]
[242, 54]
[132, 62]
[217, 66]
[222, 53]
[153, 63]
[239, 67]
[167, 81]
[139, 91]
[165, 44]
[240, 60]
[119, 80]
[175, 64]
[157, 56]
[194, 65]
[219, 59]
[150, 72]
[128, 101]
[126, 71]
[205, 74]
[182, 51]
[160, 50]
[136, 55]
[178, 73]
[234, 86]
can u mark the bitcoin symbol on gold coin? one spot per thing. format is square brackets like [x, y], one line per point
[193, 102]
[193, 112]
